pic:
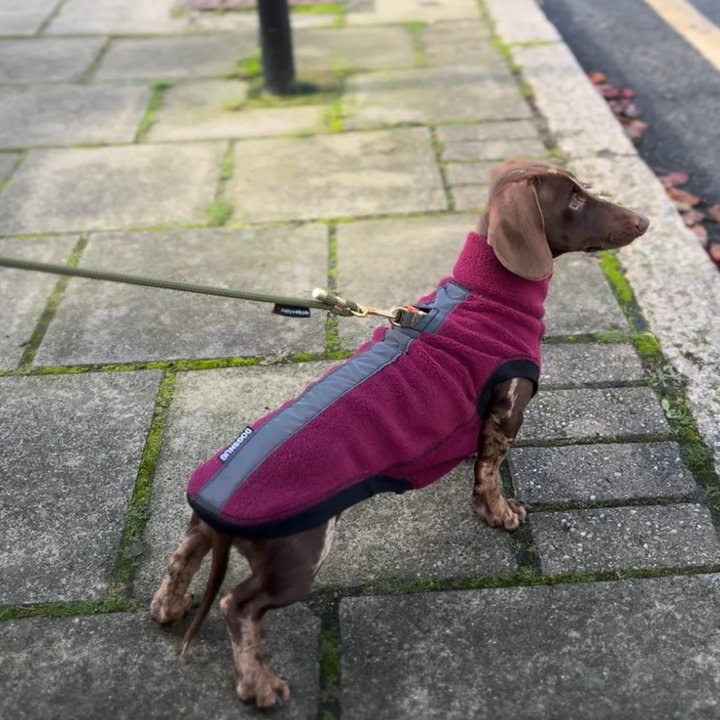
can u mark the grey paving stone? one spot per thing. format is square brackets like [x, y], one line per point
[375, 268]
[396, 11]
[633, 649]
[33, 117]
[580, 299]
[593, 414]
[71, 449]
[8, 161]
[463, 42]
[471, 198]
[208, 409]
[578, 364]
[335, 176]
[116, 17]
[476, 173]
[123, 666]
[46, 60]
[437, 94]
[338, 49]
[600, 473]
[666, 536]
[205, 110]
[108, 322]
[24, 18]
[433, 533]
[186, 56]
[25, 294]
[493, 150]
[517, 130]
[110, 188]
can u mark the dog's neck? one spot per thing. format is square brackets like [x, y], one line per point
[479, 270]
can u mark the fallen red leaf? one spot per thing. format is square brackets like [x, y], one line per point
[682, 196]
[631, 110]
[714, 251]
[634, 129]
[618, 106]
[609, 92]
[701, 233]
[597, 78]
[714, 213]
[674, 178]
[692, 217]
[627, 93]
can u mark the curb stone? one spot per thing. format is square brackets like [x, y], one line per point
[675, 283]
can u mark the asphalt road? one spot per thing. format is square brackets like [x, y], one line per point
[678, 90]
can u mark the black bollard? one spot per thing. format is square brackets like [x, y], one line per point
[277, 53]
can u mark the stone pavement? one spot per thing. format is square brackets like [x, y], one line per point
[134, 138]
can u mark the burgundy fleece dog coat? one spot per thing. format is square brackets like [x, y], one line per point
[398, 415]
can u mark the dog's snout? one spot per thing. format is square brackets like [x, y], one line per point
[641, 224]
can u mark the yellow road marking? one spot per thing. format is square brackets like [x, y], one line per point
[703, 35]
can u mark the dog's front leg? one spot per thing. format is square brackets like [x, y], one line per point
[509, 400]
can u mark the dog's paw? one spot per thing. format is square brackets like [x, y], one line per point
[263, 688]
[169, 612]
[508, 514]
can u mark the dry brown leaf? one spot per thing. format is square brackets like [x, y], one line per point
[634, 129]
[674, 178]
[701, 233]
[714, 251]
[683, 196]
[597, 78]
[714, 213]
[692, 217]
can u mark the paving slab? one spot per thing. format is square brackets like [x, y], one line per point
[318, 50]
[116, 17]
[352, 174]
[111, 188]
[469, 173]
[375, 268]
[430, 534]
[8, 161]
[393, 11]
[459, 42]
[207, 110]
[46, 60]
[519, 21]
[600, 473]
[111, 323]
[24, 18]
[583, 415]
[208, 409]
[631, 649]
[71, 445]
[434, 94]
[634, 538]
[471, 198]
[578, 364]
[515, 130]
[580, 299]
[25, 294]
[181, 57]
[33, 117]
[493, 150]
[123, 666]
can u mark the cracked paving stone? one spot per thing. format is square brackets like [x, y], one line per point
[630, 538]
[72, 445]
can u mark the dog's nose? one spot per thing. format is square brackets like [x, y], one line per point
[641, 224]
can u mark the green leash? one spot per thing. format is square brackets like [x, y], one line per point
[288, 306]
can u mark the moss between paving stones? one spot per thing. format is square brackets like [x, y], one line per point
[156, 99]
[138, 510]
[330, 668]
[57, 610]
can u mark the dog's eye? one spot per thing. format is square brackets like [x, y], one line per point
[577, 201]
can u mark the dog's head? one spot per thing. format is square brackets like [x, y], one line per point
[536, 212]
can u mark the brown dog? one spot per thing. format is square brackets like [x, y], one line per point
[535, 213]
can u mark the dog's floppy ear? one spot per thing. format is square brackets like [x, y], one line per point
[516, 230]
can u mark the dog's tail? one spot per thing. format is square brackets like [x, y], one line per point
[220, 557]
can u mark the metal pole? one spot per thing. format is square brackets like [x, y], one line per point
[277, 52]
